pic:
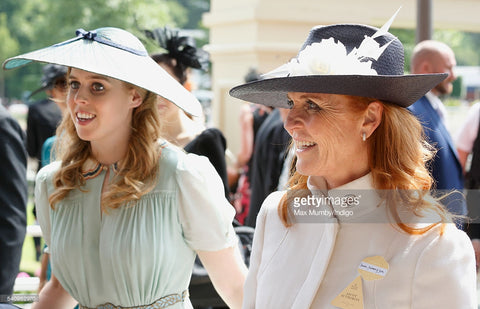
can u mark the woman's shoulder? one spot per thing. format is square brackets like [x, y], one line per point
[448, 235]
[447, 254]
[44, 177]
[169, 153]
[178, 161]
[48, 171]
[269, 208]
[171, 157]
[176, 157]
[273, 200]
[435, 235]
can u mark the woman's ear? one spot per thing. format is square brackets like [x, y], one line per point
[372, 117]
[136, 98]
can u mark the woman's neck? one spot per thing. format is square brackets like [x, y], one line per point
[356, 168]
[109, 152]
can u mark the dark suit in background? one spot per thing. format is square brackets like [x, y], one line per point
[445, 167]
[271, 144]
[13, 200]
[42, 121]
[44, 116]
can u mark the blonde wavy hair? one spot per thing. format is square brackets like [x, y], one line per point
[398, 156]
[136, 172]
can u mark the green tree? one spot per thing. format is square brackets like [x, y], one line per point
[464, 44]
[39, 23]
[196, 8]
[9, 46]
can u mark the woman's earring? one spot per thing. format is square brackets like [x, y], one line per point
[364, 136]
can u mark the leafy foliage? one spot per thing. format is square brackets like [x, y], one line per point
[34, 24]
[464, 44]
[31, 24]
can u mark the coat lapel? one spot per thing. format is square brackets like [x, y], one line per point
[318, 267]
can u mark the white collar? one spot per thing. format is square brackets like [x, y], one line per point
[351, 200]
[438, 106]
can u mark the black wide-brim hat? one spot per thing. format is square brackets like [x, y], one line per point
[347, 59]
[51, 72]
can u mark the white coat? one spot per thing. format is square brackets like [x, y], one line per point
[308, 264]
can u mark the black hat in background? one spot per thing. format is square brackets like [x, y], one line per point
[51, 72]
[252, 75]
[183, 48]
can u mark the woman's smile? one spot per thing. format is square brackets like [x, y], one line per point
[302, 146]
[84, 118]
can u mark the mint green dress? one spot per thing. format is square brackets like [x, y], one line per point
[133, 256]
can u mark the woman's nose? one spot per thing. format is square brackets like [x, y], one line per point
[292, 120]
[80, 96]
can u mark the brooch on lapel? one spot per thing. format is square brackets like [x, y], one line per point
[370, 268]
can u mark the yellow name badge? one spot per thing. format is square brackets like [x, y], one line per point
[371, 268]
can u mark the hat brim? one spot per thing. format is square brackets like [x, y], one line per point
[402, 90]
[113, 62]
[41, 89]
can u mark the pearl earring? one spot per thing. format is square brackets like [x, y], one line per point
[364, 136]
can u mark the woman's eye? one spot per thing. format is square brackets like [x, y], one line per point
[290, 103]
[98, 87]
[74, 85]
[313, 106]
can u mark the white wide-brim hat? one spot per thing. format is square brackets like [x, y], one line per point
[115, 53]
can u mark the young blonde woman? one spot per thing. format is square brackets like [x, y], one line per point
[357, 227]
[124, 213]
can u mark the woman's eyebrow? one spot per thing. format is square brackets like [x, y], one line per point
[93, 76]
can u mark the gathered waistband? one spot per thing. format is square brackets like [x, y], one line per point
[163, 302]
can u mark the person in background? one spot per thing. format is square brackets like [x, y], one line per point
[13, 201]
[48, 156]
[357, 226]
[122, 211]
[468, 145]
[44, 116]
[436, 57]
[179, 128]
[268, 158]
[252, 117]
